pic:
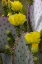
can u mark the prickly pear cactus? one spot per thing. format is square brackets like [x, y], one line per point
[22, 54]
[4, 26]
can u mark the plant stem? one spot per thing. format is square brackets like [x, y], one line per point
[18, 30]
[25, 26]
[5, 9]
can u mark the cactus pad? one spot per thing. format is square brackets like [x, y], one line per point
[22, 53]
[4, 26]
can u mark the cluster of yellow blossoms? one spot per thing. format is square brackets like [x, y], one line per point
[5, 2]
[16, 6]
[17, 19]
[33, 38]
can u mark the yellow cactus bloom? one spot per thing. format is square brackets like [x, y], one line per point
[16, 6]
[17, 19]
[11, 19]
[4, 2]
[33, 37]
[35, 48]
[28, 38]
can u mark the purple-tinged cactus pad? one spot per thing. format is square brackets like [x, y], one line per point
[4, 26]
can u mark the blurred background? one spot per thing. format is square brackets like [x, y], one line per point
[24, 2]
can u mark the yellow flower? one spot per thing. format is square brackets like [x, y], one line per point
[28, 38]
[35, 48]
[16, 6]
[4, 3]
[17, 19]
[33, 37]
[11, 19]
